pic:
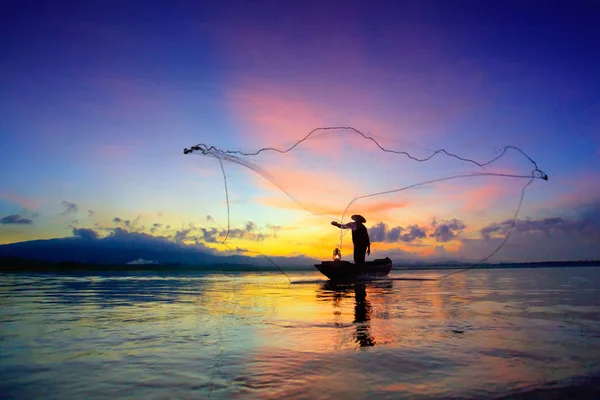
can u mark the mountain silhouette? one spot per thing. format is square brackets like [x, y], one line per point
[122, 247]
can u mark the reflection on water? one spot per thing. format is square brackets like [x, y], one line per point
[483, 333]
[337, 292]
[362, 315]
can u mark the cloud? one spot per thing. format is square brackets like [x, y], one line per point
[141, 261]
[182, 235]
[585, 226]
[590, 215]
[125, 222]
[20, 200]
[118, 232]
[304, 187]
[16, 220]
[250, 226]
[377, 232]
[245, 234]
[85, 234]
[155, 227]
[70, 208]
[381, 233]
[273, 116]
[382, 206]
[487, 231]
[249, 232]
[447, 230]
[209, 235]
[129, 224]
[412, 233]
[554, 238]
[478, 198]
[394, 234]
[274, 228]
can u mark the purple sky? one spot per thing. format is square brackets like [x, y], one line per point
[99, 99]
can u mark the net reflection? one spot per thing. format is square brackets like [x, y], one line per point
[340, 295]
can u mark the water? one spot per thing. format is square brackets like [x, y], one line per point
[481, 333]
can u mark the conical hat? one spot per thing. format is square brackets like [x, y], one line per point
[358, 218]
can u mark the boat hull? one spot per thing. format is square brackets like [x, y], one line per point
[344, 270]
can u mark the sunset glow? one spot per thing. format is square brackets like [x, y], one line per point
[98, 107]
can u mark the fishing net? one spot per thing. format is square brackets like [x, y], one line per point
[419, 202]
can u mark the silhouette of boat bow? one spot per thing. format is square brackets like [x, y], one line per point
[345, 270]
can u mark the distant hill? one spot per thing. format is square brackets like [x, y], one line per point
[461, 265]
[139, 251]
[124, 247]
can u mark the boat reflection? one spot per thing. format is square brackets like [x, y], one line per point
[340, 293]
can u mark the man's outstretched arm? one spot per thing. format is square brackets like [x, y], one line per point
[342, 226]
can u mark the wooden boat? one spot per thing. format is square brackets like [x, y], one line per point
[345, 270]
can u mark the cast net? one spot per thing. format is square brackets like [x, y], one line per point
[420, 203]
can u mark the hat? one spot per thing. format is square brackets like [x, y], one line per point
[358, 218]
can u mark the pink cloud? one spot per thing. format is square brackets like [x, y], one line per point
[481, 197]
[327, 80]
[274, 120]
[280, 115]
[374, 211]
[22, 201]
[289, 93]
[377, 208]
[321, 192]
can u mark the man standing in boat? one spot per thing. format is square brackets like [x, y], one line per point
[360, 237]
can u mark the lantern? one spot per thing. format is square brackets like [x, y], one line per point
[337, 254]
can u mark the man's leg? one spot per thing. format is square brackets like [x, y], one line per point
[359, 254]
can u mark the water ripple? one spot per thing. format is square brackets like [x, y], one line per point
[483, 333]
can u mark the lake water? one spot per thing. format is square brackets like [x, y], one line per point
[479, 333]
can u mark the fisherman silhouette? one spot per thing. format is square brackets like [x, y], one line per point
[360, 237]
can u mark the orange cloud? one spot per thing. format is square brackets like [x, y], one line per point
[377, 208]
[320, 192]
[323, 193]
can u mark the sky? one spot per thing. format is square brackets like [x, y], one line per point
[99, 99]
